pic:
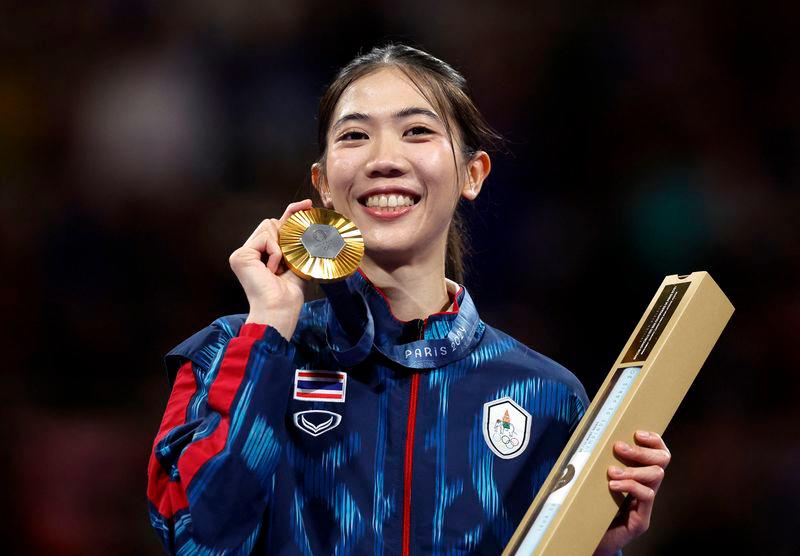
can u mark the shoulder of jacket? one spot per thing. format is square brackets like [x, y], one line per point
[203, 346]
[536, 363]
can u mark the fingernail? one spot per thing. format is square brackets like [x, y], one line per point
[643, 434]
[624, 447]
[615, 470]
[613, 483]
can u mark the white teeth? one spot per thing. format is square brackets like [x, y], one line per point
[389, 203]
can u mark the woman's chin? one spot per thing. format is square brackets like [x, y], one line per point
[390, 254]
[402, 245]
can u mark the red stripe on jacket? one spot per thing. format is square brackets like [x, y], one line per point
[408, 466]
[170, 496]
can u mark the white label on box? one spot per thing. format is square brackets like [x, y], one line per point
[578, 460]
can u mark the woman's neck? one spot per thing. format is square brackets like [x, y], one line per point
[414, 291]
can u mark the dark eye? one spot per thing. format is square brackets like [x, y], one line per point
[353, 136]
[419, 130]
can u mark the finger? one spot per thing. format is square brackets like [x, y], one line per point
[281, 268]
[293, 278]
[267, 229]
[633, 517]
[643, 493]
[641, 455]
[650, 439]
[256, 247]
[242, 260]
[259, 243]
[262, 226]
[651, 476]
[292, 208]
[275, 254]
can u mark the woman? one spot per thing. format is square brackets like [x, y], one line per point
[386, 418]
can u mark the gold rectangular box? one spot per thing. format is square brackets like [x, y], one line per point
[574, 507]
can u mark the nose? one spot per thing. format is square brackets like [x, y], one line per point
[386, 158]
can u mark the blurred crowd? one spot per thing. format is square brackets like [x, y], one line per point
[142, 141]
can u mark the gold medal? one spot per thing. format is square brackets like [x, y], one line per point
[321, 244]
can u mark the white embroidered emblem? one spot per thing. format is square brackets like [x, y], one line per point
[506, 427]
[316, 421]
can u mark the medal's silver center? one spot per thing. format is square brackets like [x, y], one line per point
[322, 240]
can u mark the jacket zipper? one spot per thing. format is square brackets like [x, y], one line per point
[409, 456]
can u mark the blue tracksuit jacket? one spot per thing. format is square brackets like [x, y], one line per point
[274, 447]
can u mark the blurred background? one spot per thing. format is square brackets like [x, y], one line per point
[140, 143]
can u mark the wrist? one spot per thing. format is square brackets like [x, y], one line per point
[280, 321]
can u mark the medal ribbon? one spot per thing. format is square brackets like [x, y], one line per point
[420, 354]
[433, 353]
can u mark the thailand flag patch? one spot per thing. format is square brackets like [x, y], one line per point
[319, 386]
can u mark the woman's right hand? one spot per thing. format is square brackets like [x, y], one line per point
[275, 293]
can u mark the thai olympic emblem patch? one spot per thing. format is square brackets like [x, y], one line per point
[506, 427]
[316, 421]
[319, 386]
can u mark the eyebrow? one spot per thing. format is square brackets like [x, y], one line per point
[404, 113]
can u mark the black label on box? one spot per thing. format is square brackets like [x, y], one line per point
[655, 323]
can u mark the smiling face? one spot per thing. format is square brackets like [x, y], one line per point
[390, 168]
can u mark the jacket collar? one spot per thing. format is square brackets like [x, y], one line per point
[392, 329]
[361, 316]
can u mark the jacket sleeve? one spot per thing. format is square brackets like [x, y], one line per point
[213, 462]
[579, 403]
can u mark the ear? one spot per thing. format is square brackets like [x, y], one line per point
[478, 169]
[321, 185]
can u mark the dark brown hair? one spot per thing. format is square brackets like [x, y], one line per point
[446, 90]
